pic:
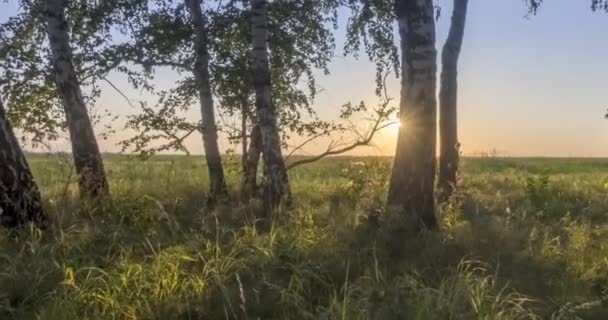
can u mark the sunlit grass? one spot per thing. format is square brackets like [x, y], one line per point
[523, 239]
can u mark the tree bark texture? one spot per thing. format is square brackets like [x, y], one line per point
[217, 181]
[411, 189]
[275, 181]
[87, 157]
[251, 166]
[244, 137]
[20, 199]
[448, 101]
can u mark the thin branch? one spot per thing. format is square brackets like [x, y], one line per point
[162, 63]
[219, 5]
[119, 91]
[330, 152]
[178, 142]
[300, 146]
[232, 127]
[336, 147]
[333, 149]
[92, 74]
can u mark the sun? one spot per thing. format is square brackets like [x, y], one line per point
[394, 127]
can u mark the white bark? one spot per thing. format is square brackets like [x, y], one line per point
[217, 181]
[411, 189]
[275, 182]
[87, 158]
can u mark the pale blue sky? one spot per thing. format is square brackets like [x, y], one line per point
[535, 86]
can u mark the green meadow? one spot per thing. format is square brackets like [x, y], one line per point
[522, 239]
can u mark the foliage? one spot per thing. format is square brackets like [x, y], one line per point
[596, 5]
[26, 78]
[371, 25]
[537, 190]
[299, 45]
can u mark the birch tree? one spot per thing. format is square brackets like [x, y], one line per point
[87, 157]
[55, 57]
[411, 188]
[209, 129]
[20, 199]
[448, 101]
[298, 45]
[275, 183]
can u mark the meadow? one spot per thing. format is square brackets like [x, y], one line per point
[522, 239]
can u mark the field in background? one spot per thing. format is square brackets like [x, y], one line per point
[525, 239]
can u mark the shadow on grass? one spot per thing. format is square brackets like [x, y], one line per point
[164, 257]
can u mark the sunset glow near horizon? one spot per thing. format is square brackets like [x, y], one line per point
[528, 86]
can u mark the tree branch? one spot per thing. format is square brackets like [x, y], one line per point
[119, 91]
[300, 146]
[162, 63]
[178, 142]
[334, 149]
[363, 139]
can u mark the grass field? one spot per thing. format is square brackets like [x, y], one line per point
[525, 239]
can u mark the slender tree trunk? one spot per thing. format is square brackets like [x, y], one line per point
[275, 182]
[244, 146]
[19, 196]
[251, 166]
[87, 158]
[201, 72]
[448, 101]
[411, 189]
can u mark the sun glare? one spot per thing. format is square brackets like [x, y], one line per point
[394, 127]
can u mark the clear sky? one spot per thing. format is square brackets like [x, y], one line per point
[528, 86]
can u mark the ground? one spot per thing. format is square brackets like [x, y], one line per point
[523, 239]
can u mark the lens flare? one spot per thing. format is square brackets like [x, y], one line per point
[394, 127]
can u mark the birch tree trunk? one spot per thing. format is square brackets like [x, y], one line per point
[251, 166]
[19, 196]
[275, 182]
[411, 189]
[244, 138]
[448, 101]
[217, 182]
[87, 158]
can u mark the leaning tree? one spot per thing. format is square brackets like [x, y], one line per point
[87, 157]
[55, 48]
[20, 199]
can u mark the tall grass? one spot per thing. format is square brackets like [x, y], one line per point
[517, 242]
